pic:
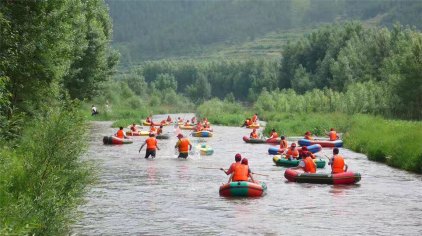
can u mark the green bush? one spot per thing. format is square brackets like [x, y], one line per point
[44, 179]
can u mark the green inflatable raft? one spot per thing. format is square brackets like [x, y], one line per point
[280, 161]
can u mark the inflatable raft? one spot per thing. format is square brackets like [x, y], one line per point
[243, 189]
[323, 143]
[262, 140]
[110, 140]
[253, 126]
[138, 133]
[187, 127]
[276, 150]
[154, 123]
[205, 149]
[322, 178]
[281, 161]
[204, 133]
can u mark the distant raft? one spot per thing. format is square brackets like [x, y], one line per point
[253, 126]
[322, 178]
[164, 123]
[276, 150]
[261, 140]
[187, 127]
[281, 161]
[113, 140]
[204, 133]
[205, 149]
[323, 143]
[243, 189]
[137, 133]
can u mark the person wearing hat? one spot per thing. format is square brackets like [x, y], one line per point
[254, 134]
[241, 172]
[292, 152]
[237, 159]
[308, 135]
[337, 163]
[184, 146]
[152, 146]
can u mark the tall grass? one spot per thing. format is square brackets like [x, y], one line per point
[43, 180]
[394, 142]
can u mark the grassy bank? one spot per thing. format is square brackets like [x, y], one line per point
[394, 142]
[42, 181]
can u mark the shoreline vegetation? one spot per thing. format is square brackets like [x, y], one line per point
[393, 142]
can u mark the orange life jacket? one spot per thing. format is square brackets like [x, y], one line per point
[283, 144]
[152, 129]
[309, 165]
[338, 164]
[241, 173]
[254, 135]
[232, 167]
[332, 135]
[151, 143]
[274, 135]
[120, 134]
[292, 153]
[184, 145]
[159, 131]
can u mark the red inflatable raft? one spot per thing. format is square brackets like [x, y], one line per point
[262, 140]
[243, 189]
[115, 140]
[296, 175]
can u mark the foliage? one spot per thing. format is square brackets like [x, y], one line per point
[147, 30]
[43, 180]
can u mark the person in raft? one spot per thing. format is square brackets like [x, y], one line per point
[152, 129]
[133, 128]
[332, 135]
[199, 127]
[254, 118]
[273, 134]
[160, 130]
[337, 163]
[283, 144]
[246, 123]
[148, 119]
[292, 152]
[184, 146]
[237, 159]
[254, 134]
[308, 135]
[308, 165]
[152, 146]
[168, 119]
[242, 172]
[193, 120]
[120, 133]
[303, 153]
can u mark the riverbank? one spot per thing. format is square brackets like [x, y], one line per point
[43, 178]
[394, 142]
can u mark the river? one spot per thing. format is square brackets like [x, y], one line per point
[170, 196]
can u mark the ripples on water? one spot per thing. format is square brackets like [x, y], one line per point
[169, 196]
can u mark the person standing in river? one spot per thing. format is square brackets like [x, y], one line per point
[152, 146]
[184, 146]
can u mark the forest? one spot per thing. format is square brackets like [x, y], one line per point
[149, 29]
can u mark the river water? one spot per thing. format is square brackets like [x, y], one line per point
[170, 196]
